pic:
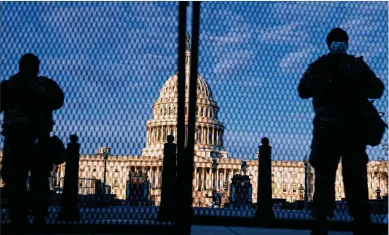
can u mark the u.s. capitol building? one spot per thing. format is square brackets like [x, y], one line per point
[287, 176]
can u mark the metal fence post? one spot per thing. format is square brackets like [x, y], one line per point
[68, 204]
[264, 211]
[182, 221]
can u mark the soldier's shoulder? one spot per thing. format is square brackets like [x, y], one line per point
[322, 60]
[4, 82]
[13, 79]
[46, 79]
[9, 82]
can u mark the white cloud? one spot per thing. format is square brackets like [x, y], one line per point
[290, 33]
[297, 60]
[364, 38]
[233, 60]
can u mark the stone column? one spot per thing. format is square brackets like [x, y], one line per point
[221, 179]
[196, 183]
[214, 136]
[160, 176]
[212, 179]
[210, 186]
[217, 179]
[200, 179]
[206, 135]
[155, 135]
[203, 175]
[203, 135]
[157, 178]
[210, 134]
[225, 176]
[194, 179]
[205, 178]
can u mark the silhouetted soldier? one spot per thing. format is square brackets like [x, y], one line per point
[28, 101]
[168, 208]
[339, 84]
[264, 199]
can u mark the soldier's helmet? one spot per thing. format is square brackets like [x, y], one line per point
[29, 64]
[337, 35]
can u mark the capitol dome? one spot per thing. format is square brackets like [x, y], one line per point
[170, 88]
[209, 130]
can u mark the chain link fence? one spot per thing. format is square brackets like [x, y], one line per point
[117, 65]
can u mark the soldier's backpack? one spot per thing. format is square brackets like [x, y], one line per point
[373, 124]
[58, 151]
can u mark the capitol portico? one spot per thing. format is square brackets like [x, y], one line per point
[213, 168]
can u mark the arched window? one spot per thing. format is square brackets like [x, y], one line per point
[284, 188]
[160, 112]
[169, 111]
[164, 111]
[201, 111]
[211, 114]
[206, 112]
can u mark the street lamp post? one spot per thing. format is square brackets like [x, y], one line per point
[214, 168]
[301, 190]
[378, 191]
[244, 167]
[106, 155]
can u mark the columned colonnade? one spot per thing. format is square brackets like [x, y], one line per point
[209, 135]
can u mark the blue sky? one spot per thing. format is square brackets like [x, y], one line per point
[112, 58]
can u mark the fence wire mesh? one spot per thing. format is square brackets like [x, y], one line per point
[117, 65]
